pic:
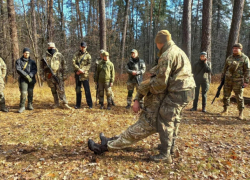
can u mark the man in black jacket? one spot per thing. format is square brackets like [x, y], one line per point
[27, 70]
[201, 70]
[135, 68]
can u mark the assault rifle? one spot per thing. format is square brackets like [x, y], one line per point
[51, 71]
[219, 89]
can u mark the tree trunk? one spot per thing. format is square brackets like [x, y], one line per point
[50, 26]
[102, 22]
[124, 33]
[79, 19]
[186, 28]
[235, 25]
[206, 27]
[13, 33]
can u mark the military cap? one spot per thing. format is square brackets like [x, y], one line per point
[239, 45]
[83, 44]
[102, 51]
[134, 51]
[105, 53]
[26, 49]
[203, 53]
[163, 36]
[51, 44]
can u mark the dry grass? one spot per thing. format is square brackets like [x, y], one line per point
[52, 144]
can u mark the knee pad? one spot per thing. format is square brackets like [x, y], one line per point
[101, 93]
[130, 93]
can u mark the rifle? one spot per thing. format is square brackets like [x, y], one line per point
[219, 89]
[51, 71]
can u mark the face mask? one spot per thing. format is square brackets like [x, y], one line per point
[51, 51]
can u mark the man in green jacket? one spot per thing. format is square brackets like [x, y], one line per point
[236, 73]
[105, 76]
[81, 64]
[169, 89]
[201, 70]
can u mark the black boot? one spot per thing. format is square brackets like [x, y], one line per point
[2, 105]
[128, 106]
[193, 109]
[97, 148]
[204, 108]
[104, 140]
[109, 106]
[102, 106]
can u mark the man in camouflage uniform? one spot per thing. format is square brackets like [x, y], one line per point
[98, 61]
[81, 64]
[236, 73]
[104, 77]
[201, 70]
[59, 66]
[3, 70]
[166, 93]
[27, 70]
[135, 68]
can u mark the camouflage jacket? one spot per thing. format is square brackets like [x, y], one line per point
[105, 72]
[237, 68]
[138, 66]
[98, 61]
[57, 63]
[82, 61]
[173, 73]
[3, 70]
[23, 70]
[201, 70]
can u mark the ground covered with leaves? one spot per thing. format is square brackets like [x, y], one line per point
[51, 143]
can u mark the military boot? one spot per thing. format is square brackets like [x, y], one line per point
[225, 111]
[30, 100]
[128, 106]
[204, 108]
[2, 105]
[56, 101]
[241, 116]
[193, 109]
[113, 103]
[109, 106]
[164, 156]
[104, 140]
[22, 102]
[172, 150]
[97, 148]
[102, 106]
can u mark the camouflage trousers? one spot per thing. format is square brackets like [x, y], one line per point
[112, 94]
[58, 90]
[104, 87]
[131, 87]
[163, 118]
[235, 86]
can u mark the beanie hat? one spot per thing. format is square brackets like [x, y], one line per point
[239, 45]
[26, 49]
[163, 36]
[83, 44]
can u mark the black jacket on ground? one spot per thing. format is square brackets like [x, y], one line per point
[30, 69]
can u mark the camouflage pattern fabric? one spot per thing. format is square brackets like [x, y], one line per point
[166, 94]
[3, 70]
[59, 66]
[58, 89]
[107, 88]
[131, 87]
[105, 72]
[85, 60]
[237, 72]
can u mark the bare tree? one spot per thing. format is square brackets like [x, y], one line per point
[235, 25]
[50, 26]
[102, 23]
[186, 28]
[124, 33]
[13, 33]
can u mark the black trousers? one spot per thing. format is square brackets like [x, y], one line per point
[85, 84]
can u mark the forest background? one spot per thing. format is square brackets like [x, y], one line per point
[121, 25]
